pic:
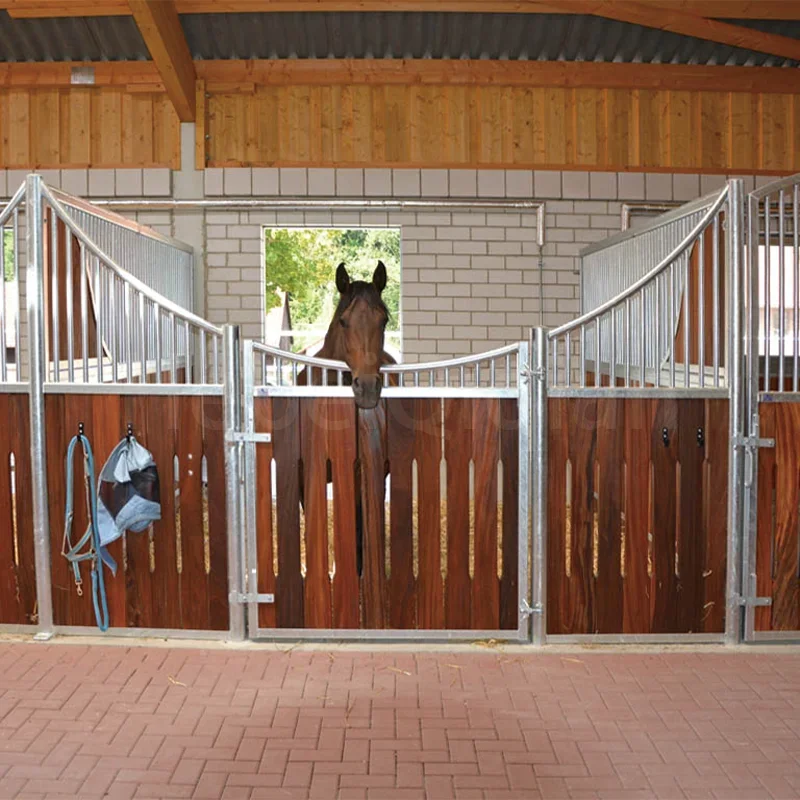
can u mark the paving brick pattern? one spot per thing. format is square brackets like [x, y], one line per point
[158, 722]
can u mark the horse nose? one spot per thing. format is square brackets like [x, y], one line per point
[356, 383]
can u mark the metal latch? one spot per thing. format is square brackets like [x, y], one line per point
[531, 373]
[753, 601]
[246, 438]
[751, 445]
[527, 610]
[241, 597]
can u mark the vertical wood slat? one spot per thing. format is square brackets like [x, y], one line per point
[458, 448]
[485, 454]
[265, 557]
[557, 456]
[766, 556]
[18, 582]
[509, 454]
[715, 489]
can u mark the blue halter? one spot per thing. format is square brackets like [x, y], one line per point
[91, 538]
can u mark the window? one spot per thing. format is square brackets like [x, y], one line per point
[777, 311]
[300, 269]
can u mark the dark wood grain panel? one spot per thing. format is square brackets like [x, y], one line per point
[608, 595]
[428, 454]
[265, 557]
[664, 460]
[313, 450]
[341, 438]
[189, 449]
[691, 539]
[638, 580]
[509, 455]
[401, 422]
[372, 460]
[582, 444]
[458, 449]
[765, 524]
[785, 611]
[289, 593]
[557, 455]
[715, 489]
[485, 455]
[214, 451]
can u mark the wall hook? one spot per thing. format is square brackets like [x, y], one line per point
[701, 439]
[129, 434]
[665, 436]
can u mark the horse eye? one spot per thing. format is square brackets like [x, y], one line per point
[343, 323]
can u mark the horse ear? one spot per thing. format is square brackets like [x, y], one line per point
[379, 276]
[342, 279]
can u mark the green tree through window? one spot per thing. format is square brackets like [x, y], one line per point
[302, 263]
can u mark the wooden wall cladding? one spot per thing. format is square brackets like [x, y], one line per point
[778, 538]
[636, 528]
[87, 127]
[177, 578]
[497, 126]
[426, 564]
[17, 574]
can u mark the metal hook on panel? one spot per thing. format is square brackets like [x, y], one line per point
[701, 438]
[665, 436]
[80, 431]
[129, 434]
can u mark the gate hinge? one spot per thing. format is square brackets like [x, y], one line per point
[241, 597]
[539, 373]
[245, 438]
[528, 610]
[753, 601]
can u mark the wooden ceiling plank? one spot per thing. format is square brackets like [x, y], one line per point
[161, 30]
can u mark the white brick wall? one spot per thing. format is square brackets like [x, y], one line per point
[470, 277]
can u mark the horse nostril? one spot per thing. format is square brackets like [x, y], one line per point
[356, 383]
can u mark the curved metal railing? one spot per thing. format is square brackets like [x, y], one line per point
[492, 370]
[631, 338]
[139, 334]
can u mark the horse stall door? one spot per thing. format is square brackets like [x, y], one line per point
[636, 517]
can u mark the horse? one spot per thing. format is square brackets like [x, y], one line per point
[356, 336]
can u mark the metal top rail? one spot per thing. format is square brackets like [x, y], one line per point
[776, 186]
[677, 252]
[14, 202]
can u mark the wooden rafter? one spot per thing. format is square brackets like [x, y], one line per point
[161, 30]
[729, 9]
[224, 76]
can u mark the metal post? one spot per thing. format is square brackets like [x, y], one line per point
[734, 262]
[35, 294]
[524, 379]
[232, 420]
[249, 529]
[539, 567]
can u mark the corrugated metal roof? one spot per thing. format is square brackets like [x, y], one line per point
[544, 37]
[71, 39]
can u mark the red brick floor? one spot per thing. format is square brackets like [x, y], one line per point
[157, 722]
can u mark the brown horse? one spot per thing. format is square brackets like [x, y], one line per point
[356, 336]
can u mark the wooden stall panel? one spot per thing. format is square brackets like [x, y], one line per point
[637, 523]
[778, 545]
[173, 575]
[17, 574]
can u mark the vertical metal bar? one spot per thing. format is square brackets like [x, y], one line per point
[555, 360]
[158, 322]
[232, 421]
[656, 334]
[796, 286]
[142, 339]
[70, 310]
[54, 294]
[3, 309]
[84, 315]
[716, 266]
[701, 311]
[129, 332]
[627, 342]
[491, 374]
[583, 357]
[597, 352]
[612, 369]
[767, 287]
[216, 360]
[568, 357]
[100, 311]
[18, 321]
[173, 345]
[35, 299]
[539, 481]
[642, 363]
[203, 357]
[781, 291]
[686, 322]
[508, 373]
[248, 490]
[671, 330]
[187, 356]
[733, 290]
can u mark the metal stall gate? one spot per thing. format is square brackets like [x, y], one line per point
[771, 476]
[638, 443]
[435, 479]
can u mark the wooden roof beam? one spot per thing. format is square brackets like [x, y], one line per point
[728, 9]
[679, 21]
[162, 32]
